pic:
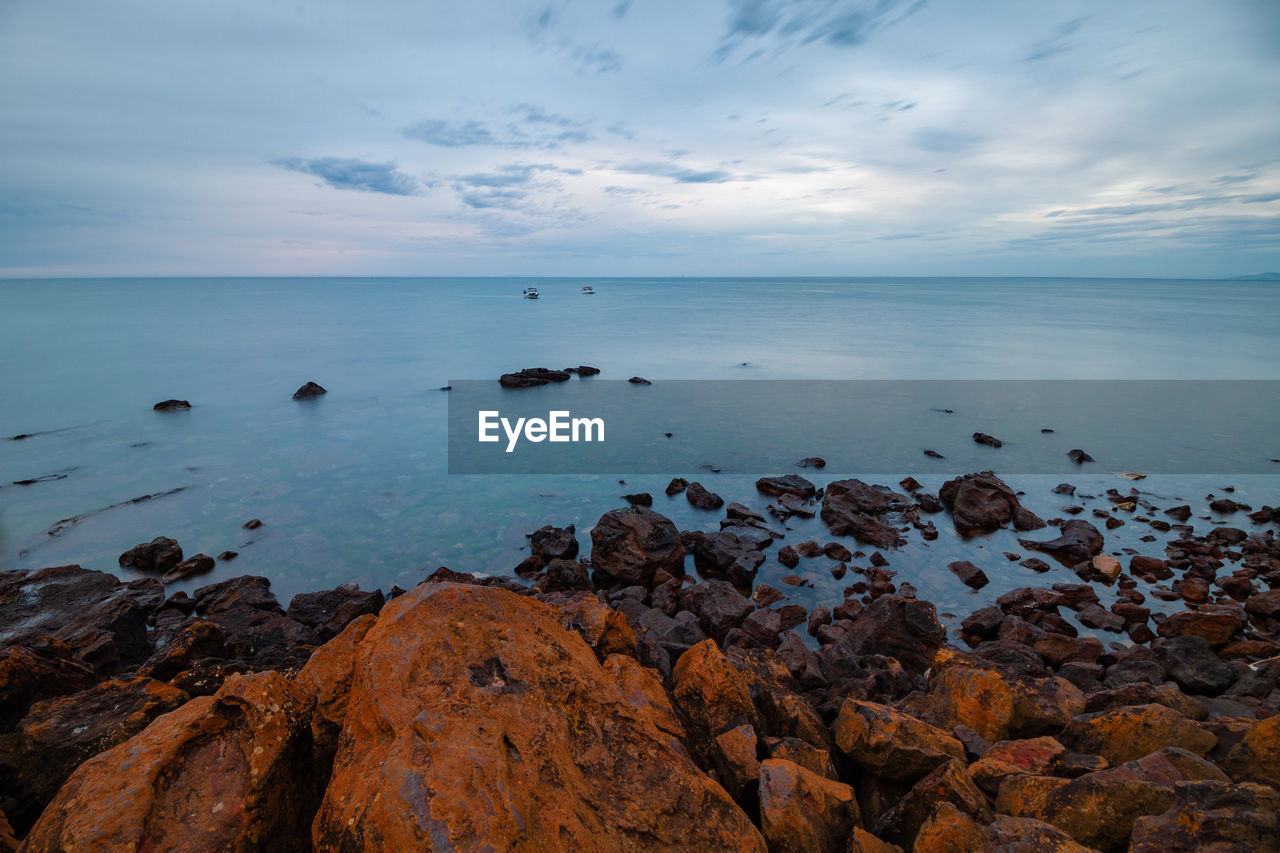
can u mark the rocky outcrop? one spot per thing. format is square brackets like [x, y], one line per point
[511, 706]
[628, 546]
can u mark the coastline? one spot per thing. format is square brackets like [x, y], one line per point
[882, 729]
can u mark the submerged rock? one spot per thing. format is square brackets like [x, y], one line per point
[171, 406]
[532, 377]
[309, 391]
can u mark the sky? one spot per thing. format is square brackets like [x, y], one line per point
[639, 137]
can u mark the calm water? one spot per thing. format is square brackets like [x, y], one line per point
[353, 487]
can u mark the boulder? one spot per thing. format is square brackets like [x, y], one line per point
[554, 543]
[309, 391]
[700, 498]
[969, 574]
[529, 743]
[981, 503]
[190, 567]
[949, 830]
[1080, 541]
[1256, 757]
[40, 669]
[226, 772]
[978, 699]
[901, 628]
[171, 406]
[159, 555]
[948, 783]
[1190, 663]
[1216, 623]
[1212, 816]
[1009, 834]
[330, 611]
[791, 484]
[532, 377]
[710, 692]
[629, 545]
[1125, 734]
[1034, 757]
[853, 508]
[891, 744]
[802, 812]
[1096, 811]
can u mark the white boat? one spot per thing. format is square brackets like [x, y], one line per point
[586, 288]
[531, 293]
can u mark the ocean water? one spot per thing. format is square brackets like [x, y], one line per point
[354, 486]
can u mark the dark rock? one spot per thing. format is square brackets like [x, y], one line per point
[309, 391]
[197, 565]
[531, 377]
[1079, 456]
[565, 576]
[158, 555]
[725, 554]
[700, 498]
[852, 508]
[638, 380]
[1208, 815]
[171, 406]
[791, 484]
[330, 611]
[227, 556]
[722, 608]
[554, 543]
[1064, 489]
[812, 462]
[933, 454]
[1080, 541]
[677, 485]
[630, 545]
[1035, 564]
[639, 499]
[252, 524]
[1149, 569]
[989, 440]
[587, 370]
[1181, 513]
[788, 557]
[902, 628]
[981, 503]
[1192, 665]
[969, 574]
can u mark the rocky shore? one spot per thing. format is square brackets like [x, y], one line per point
[611, 701]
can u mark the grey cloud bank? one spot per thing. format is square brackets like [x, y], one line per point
[787, 137]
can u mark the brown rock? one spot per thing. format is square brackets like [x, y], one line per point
[1212, 816]
[1256, 758]
[735, 762]
[1096, 812]
[902, 628]
[330, 611]
[1125, 734]
[801, 752]
[1034, 756]
[948, 783]
[981, 503]
[891, 744]
[629, 545]
[700, 498]
[1027, 835]
[311, 390]
[529, 744]
[1216, 623]
[969, 574]
[791, 484]
[159, 555]
[29, 673]
[327, 677]
[802, 812]
[949, 830]
[226, 772]
[981, 700]
[1080, 541]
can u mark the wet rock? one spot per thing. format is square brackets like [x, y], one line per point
[1217, 624]
[309, 391]
[677, 485]
[639, 380]
[1079, 456]
[629, 545]
[252, 524]
[190, 567]
[1149, 569]
[981, 503]
[1126, 734]
[1080, 541]
[531, 377]
[948, 783]
[722, 609]
[639, 499]
[1106, 567]
[511, 708]
[791, 484]
[700, 498]
[891, 744]
[725, 555]
[159, 555]
[565, 576]
[41, 668]
[969, 574]
[788, 557]
[227, 772]
[330, 611]
[988, 440]
[587, 370]
[228, 556]
[902, 628]
[812, 462]
[171, 406]
[853, 508]
[554, 543]
[1212, 816]
[801, 811]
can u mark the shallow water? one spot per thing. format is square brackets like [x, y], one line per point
[354, 486]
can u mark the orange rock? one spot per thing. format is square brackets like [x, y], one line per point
[963, 696]
[802, 812]
[1025, 795]
[803, 753]
[1028, 835]
[711, 693]
[8, 843]
[1094, 810]
[949, 830]
[948, 783]
[735, 762]
[1125, 734]
[864, 842]
[1042, 706]
[605, 629]
[476, 721]
[891, 744]
[642, 688]
[1256, 758]
[327, 676]
[1213, 816]
[226, 772]
[1015, 757]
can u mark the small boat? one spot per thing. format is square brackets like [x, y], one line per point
[531, 293]
[586, 288]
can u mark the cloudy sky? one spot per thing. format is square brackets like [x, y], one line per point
[639, 137]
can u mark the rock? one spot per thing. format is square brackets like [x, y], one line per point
[629, 545]
[330, 611]
[309, 391]
[989, 440]
[1095, 811]
[532, 377]
[722, 609]
[102, 621]
[327, 676]
[227, 772]
[1144, 694]
[1264, 608]
[1192, 665]
[1080, 541]
[791, 484]
[803, 812]
[710, 692]
[949, 830]
[252, 524]
[891, 744]
[677, 485]
[587, 370]
[228, 556]
[639, 499]
[1256, 757]
[1079, 456]
[1027, 835]
[171, 406]
[1107, 567]
[805, 754]
[1149, 569]
[788, 557]
[969, 574]
[1044, 705]
[725, 555]
[700, 498]
[902, 628]
[190, 567]
[735, 762]
[853, 508]
[1212, 816]
[981, 503]
[58, 735]
[1217, 624]
[974, 698]
[948, 783]
[554, 543]
[41, 669]
[159, 555]
[812, 462]
[639, 380]
[1126, 734]
[517, 701]
[1034, 757]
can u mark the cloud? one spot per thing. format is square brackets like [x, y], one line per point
[946, 141]
[509, 187]
[676, 173]
[452, 134]
[345, 173]
[1059, 42]
[534, 127]
[841, 23]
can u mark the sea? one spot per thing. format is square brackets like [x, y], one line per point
[355, 486]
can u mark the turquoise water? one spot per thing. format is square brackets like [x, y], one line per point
[353, 486]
